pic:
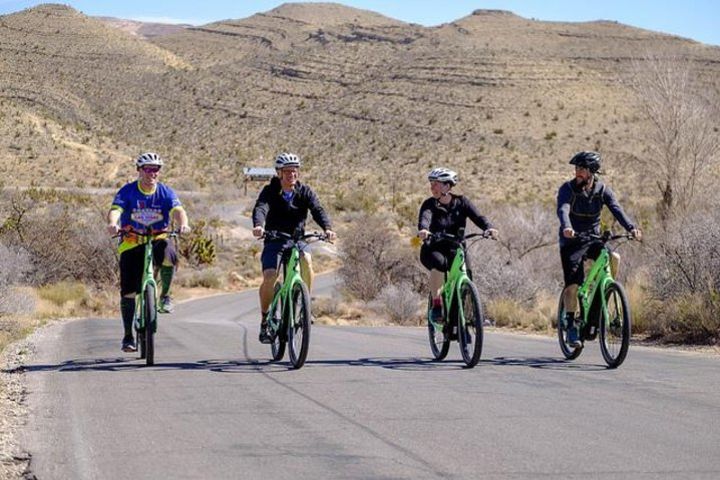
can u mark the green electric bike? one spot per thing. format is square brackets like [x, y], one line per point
[604, 308]
[289, 315]
[462, 310]
[146, 310]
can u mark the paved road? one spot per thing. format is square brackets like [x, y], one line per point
[369, 403]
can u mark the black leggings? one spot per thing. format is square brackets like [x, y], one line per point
[133, 260]
[437, 256]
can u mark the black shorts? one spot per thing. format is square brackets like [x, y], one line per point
[270, 257]
[573, 255]
[132, 262]
[437, 256]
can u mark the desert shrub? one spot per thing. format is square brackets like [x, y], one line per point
[15, 266]
[524, 261]
[506, 312]
[356, 200]
[374, 255]
[198, 246]
[685, 279]
[401, 304]
[63, 237]
[206, 278]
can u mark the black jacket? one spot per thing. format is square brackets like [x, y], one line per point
[275, 213]
[450, 218]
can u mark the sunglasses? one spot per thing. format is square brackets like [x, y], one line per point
[150, 169]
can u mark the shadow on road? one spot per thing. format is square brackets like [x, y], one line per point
[119, 364]
[545, 363]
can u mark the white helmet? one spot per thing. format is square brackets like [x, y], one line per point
[286, 160]
[148, 158]
[444, 175]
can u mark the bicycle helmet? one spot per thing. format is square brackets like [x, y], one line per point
[589, 160]
[286, 160]
[148, 158]
[443, 175]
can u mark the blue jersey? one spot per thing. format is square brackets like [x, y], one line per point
[140, 209]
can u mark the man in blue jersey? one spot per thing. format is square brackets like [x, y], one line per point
[579, 204]
[135, 205]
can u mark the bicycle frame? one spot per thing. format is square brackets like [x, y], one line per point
[455, 277]
[290, 277]
[597, 281]
[148, 278]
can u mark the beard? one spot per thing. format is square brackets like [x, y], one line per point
[583, 182]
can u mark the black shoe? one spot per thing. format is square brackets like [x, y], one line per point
[128, 344]
[264, 336]
[436, 314]
[573, 334]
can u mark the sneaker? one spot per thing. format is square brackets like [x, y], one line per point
[264, 336]
[436, 314]
[166, 304]
[128, 344]
[573, 336]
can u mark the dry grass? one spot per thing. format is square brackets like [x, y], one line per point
[509, 313]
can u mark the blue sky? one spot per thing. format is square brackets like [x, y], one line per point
[696, 19]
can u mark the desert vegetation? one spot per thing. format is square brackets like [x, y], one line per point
[371, 104]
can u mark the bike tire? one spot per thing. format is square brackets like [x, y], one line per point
[470, 335]
[615, 327]
[150, 311]
[140, 335]
[277, 347]
[299, 334]
[439, 341]
[570, 353]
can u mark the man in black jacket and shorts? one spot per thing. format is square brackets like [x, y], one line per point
[283, 206]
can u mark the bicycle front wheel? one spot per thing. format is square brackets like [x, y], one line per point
[439, 341]
[299, 327]
[570, 353]
[615, 326]
[470, 324]
[277, 347]
[150, 312]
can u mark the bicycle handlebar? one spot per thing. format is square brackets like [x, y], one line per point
[607, 236]
[125, 232]
[277, 235]
[439, 236]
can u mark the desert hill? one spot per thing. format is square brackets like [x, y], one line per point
[368, 101]
[143, 29]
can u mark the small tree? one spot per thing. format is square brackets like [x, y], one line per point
[683, 138]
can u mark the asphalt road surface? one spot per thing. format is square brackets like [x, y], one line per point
[368, 403]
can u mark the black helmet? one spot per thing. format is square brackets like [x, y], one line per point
[589, 160]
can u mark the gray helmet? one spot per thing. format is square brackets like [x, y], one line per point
[589, 160]
[443, 175]
[148, 158]
[287, 160]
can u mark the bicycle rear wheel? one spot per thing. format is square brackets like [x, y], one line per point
[150, 311]
[439, 341]
[470, 333]
[299, 332]
[615, 326]
[569, 352]
[277, 347]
